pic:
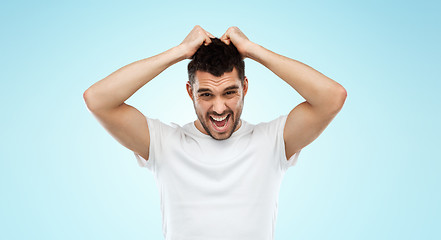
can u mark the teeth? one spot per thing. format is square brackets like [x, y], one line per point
[219, 119]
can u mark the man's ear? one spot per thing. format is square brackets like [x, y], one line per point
[189, 90]
[245, 86]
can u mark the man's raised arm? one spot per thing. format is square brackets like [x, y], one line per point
[105, 99]
[324, 97]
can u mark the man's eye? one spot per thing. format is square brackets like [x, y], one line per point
[230, 92]
[205, 95]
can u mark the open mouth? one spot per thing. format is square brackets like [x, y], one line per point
[220, 124]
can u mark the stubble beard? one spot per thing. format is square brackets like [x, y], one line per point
[232, 116]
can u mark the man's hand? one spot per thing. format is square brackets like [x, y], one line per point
[194, 40]
[240, 41]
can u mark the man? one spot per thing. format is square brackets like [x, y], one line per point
[218, 176]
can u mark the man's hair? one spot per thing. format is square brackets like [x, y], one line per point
[216, 58]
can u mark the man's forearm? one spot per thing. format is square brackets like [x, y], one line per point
[116, 88]
[319, 90]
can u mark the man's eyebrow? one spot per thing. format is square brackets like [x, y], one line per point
[234, 87]
[203, 90]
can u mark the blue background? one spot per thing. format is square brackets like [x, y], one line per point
[374, 173]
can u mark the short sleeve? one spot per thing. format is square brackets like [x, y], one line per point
[157, 133]
[148, 163]
[280, 126]
[142, 162]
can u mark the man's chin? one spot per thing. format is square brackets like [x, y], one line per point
[212, 132]
[221, 135]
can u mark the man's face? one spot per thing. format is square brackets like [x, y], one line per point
[218, 102]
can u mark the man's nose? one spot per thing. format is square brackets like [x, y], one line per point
[219, 106]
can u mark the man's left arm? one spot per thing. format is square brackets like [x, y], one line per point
[324, 97]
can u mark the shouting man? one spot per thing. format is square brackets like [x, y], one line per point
[218, 176]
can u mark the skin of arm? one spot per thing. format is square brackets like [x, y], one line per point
[105, 99]
[324, 97]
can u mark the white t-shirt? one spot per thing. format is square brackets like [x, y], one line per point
[218, 189]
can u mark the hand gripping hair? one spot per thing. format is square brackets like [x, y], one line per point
[216, 58]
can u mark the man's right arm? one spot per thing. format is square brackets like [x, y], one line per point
[106, 98]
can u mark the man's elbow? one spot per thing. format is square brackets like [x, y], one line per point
[343, 94]
[88, 99]
[339, 98]
[335, 101]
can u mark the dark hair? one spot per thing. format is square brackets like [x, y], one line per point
[216, 58]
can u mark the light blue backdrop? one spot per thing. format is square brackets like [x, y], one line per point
[374, 173]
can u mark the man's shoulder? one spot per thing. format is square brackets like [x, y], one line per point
[160, 122]
[272, 123]
[160, 126]
[270, 128]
